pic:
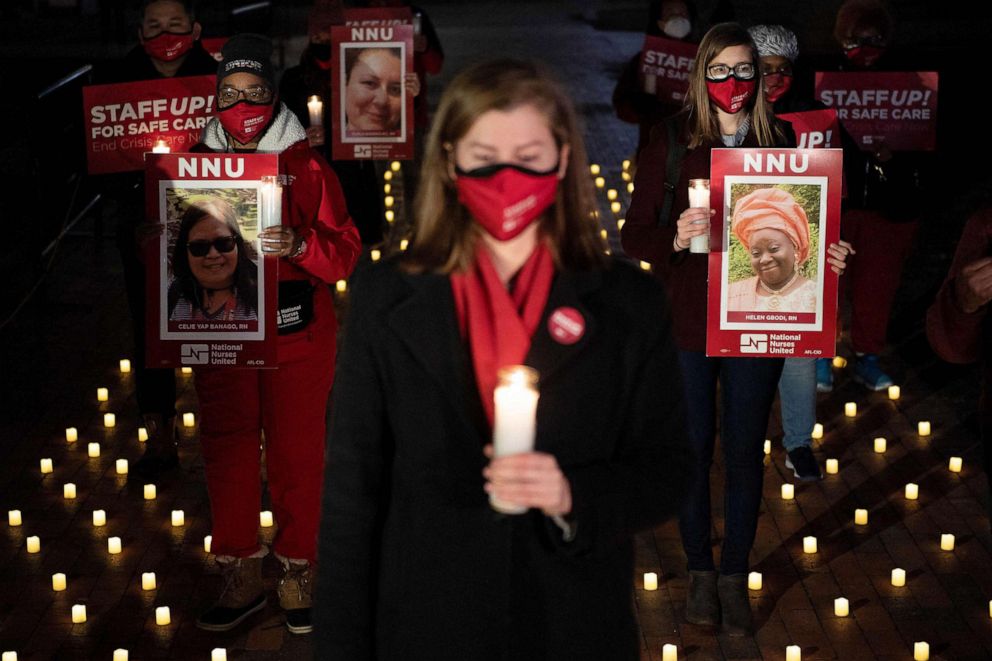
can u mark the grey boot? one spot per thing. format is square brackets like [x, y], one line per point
[702, 605]
[735, 605]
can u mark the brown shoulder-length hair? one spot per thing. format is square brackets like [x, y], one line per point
[444, 233]
[703, 125]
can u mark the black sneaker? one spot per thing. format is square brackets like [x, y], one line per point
[804, 465]
[298, 620]
[225, 618]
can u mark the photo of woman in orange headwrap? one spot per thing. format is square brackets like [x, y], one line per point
[774, 230]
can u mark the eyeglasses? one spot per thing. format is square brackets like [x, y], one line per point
[222, 244]
[228, 96]
[785, 70]
[741, 71]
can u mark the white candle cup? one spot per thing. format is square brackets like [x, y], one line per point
[150, 492]
[46, 466]
[912, 491]
[186, 371]
[611, 194]
[841, 607]
[14, 518]
[894, 392]
[404, 244]
[125, 365]
[860, 517]
[600, 182]
[395, 166]
[809, 545]
[93, 450]
[645, 266]
[99, 518]
[341, 286]
[68, 490]
[270, 202]
[699, 196]
[840, 362]
[142, 434]
[109, 420]
[832, 466]
[120, 654]
[620, 223]
[388, 201]
[754, 581]
[793, 653]
[514, 419]
[616, 208]
[947, 542]
[78, 613]
[207, 543]
[315, 108]
[898, 577]
[102, 394]
[162, 616]
[630, 187]
[650, 581]
[669, 652]
[121, 466]
[387, 189]
[603, 234]
[8, 656]
[375, 255]
[851, 409]
[265, 519]
[58, 582]
[71, 435]
[817, 432]
[788, 492]
[768, 447]
[189, 420]
[594, 169]
[148, 581]
[33, 544]
[114, 545]
[178, 518]
[387, 175]
[921, 651]
[625, 164]
[161, 147]
[880, 445]
[218, 654]
[954, 464]
[923, 428]
[390, 216]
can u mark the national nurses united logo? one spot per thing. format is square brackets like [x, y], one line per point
[566, 325]
[195, 354]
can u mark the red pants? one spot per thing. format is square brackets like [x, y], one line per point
[290, 405]
[873, 274]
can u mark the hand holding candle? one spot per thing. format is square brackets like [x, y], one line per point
[699, 199]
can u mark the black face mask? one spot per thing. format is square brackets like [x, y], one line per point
[321, 51]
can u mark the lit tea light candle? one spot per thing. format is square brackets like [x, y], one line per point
[625, 164]
[954, 465]
[768, 447]
[160, 147]
[594, 169]
[315, 109]
[8, 656]
[923, 428]
[125, 365]
[620, 223]
[603, 234]
[646, 266]
[99, 518]
[395, 166]
[218, 654]
[650, 581]
[894, 392]
[189, 420]
[912, 491]
[390, 216]
[921, 651]
[817, 433]
[754, 581]
[14, 518]
[341, 286]
[841, 607]
[150, 492]
[58, 582]
[376, 255]
[669, 652]
[148, 581]
[120, 654]
[186, 371]
[611, 194]
[102, 394]
[388, 201]
[793, 653]
[832, 466]
[947, 542]
[34, 544]
[265, 519]
[600, 182]
[404, 244]
[46, 466]
[880, 445]
[788, 492]
[71, 435]
[207, 542]
[387, 189]
[178, 518]
[142, 434]
[809, 544]
[840, 362]
[78, 613]
[616, 207]
[162, 616]
[121, 466]
[114, 545]
[109, 420]
[625, 176]
[68, 490]
[93, 450]
[387, 176]
[851, 409]
[630, 187]
[898, 577]
[860, 517]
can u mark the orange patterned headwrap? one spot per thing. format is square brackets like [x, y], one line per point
[771, 208]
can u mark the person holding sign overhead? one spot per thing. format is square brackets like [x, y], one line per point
[317, 244]
[504, 320]
[724, 108]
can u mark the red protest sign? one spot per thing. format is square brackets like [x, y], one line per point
[771, 292]
[814, 129]
[378, 16]
[897, 107]
[123, 121]
[373, 116]
[211, 291]
[664, 67]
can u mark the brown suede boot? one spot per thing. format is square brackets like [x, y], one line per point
[296, 595]
[735, 604]
[702, 606]
[242, 595]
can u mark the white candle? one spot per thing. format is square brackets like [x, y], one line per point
[125, 366]
[148, 581]
[600, 182]
[851, 409]
[178, 518]
[207, 541]
[150, 492]
[404, 244]
[616, 207]
[341, 286]
[390, 216]
[114, 545]
[954, 465]
[271, 202]
[880, 445]
[8, 656]
[754, 581]
[841, 607]
[912, 491]
[46, 466]
[68, 490]
[817, 431]
[514, 419]
[809, 544]
[387, 189]
[602, 234]
[265, 519]
[388, 201]
[102, 394]
[120, 654]
[625, 165]
[78, 613]
[923, 428]
[650, 581]
[894, 392]
[395, 166]
[840, 362]
[33, 544]
[645, 266]
[832, 466]
[160, 147]
[625, 176]
[375, 255]
[109, 420]
[99, 518]
[186, 371]
[218, 654]
[189, 420]
[71, 435]
[162, 616]
[793, 653]
[788, 492]
[620, 223]
[768, 447]
[387, 176]
[611, 194]
[947, 542]
[594, 169]
[699, 197]
[121, 466]
[58, 582]
[860, 517]
[93, 450]
[669, 652]
[898, 577]
[316, 109]
[630, 187]
[921, 651]
[14, 518]
[142, 434]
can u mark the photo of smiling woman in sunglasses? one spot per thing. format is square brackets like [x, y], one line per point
[214, 277]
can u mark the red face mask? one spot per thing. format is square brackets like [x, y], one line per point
[863, 56]
[505, 199]
[731, 94]
[245, 121]
[167, 46]
[776, 86]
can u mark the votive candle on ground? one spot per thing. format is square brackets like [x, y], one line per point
[788, 492]
[946, 542]
[395, 166]
[8, 656]
[162, 616]
[840, 362]
[46, 466]
[207, 541]
[630, 187]
[954, 464]
[754, 580]
[265, 519]
[125, 366]
[58, 582]
[832, 466]
[34, 544]
[341, 286]
[150, 492]
[898, 577]
[114, 545]
[178, 518]
[616, 207]
[148, 580]
[650, 581]
[102, 394]
[78, 613]
[187, 370]
[71, 435]
[669, 652]
[645, 266]
[880, 445]
[861, 517]
[817, 431]
[894, 392]
[387, 176]
[93, 450]
[611, 194]
[376, 255]
[121, 466]
[120, 654]
[388, 201]
[600, 182]
[809, 544]
[841, 607]
[923, 428]
[768, 447]
[793, 653]
[68, 490]
[912, 491]
[14, 518]
[142, 434]
[219, 653]
[109, 420]
[921, 651]
[99, 518]
[189, 420]
[851, 409]
[404, 244]
[390, 216]
[594, 169]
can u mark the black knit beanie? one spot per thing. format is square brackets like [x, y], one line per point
[251, 53]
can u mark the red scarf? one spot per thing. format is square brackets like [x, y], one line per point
[500, 324]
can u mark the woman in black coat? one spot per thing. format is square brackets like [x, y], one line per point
[414, 562]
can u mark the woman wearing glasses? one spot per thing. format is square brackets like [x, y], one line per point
[723, 109]
[317, 244]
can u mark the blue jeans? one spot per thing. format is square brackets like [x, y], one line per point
[797, 395]
[747, 390]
